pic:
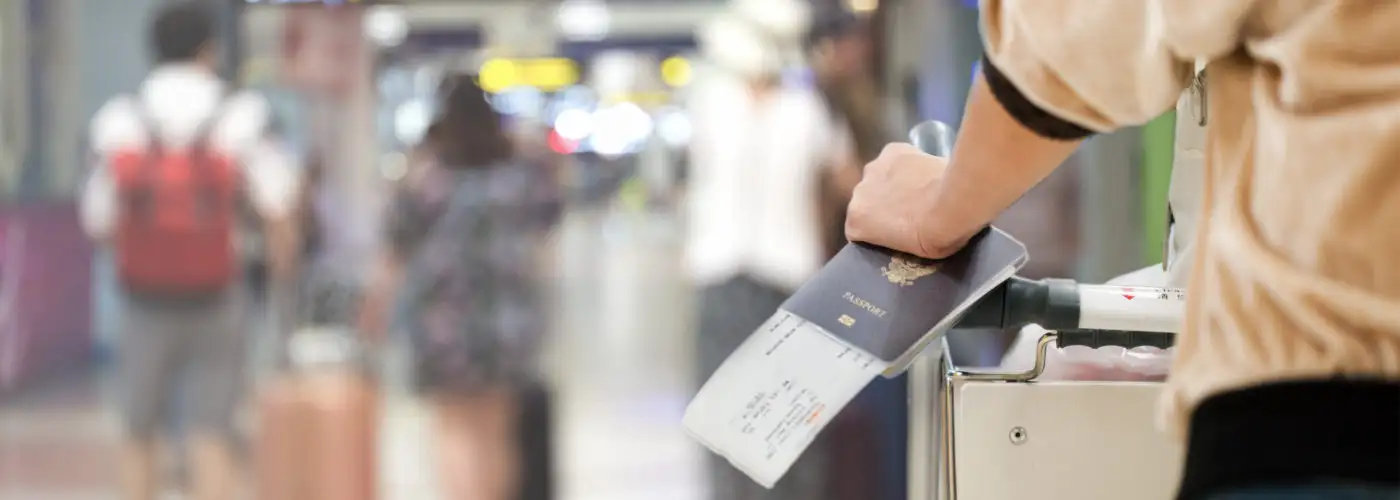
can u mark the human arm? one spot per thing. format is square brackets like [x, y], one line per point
[271, 178]
[97, 204]
[994, 162]
[841, 160]
[1055, 73]
[114, 126]
[273, 187]
[384, 281]
[405, 227]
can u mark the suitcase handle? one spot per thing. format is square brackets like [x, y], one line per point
[1102, 338]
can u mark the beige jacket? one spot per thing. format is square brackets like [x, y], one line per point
[1297, 248]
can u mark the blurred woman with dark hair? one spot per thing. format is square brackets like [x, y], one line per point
[464, 231]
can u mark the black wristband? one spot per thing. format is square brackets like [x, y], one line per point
[1033, 117]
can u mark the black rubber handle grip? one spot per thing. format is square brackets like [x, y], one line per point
[1127, 340]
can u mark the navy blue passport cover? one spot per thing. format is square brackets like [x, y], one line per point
[891, 304]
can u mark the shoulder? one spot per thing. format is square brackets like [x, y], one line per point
[804, 102]
[806, 107]
[117, 124]
[714, 93]
[242, 121]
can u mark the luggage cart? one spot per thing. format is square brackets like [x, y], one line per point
[986, 435]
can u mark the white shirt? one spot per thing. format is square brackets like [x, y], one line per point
[756, 167]
[179, 100]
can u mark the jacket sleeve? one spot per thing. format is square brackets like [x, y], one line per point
[113, 126]
[272, 177]
[1068, 68]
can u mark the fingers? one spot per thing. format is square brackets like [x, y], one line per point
[899, 149]
[891, 201]
[867, 225]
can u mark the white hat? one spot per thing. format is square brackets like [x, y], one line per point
[757, 37]
[740, 47]
[787, 21]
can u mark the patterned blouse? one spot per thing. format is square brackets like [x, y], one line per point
[469, 239]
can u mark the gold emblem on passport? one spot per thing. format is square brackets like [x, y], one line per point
[903, 271]
[846, 320]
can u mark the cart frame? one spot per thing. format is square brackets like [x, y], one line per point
[936, 381]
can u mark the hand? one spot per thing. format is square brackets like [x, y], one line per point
[894, 205]
[282, 243]
[374, 316]
[377, 307]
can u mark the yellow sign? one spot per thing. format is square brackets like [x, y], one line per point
[547, 74]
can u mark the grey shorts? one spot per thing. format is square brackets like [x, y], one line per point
[194, 353]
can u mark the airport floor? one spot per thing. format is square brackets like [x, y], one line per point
[620, 362]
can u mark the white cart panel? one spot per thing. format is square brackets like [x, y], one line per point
[1061, 441]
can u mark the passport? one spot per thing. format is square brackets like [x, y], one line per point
[869, 312]
[892, 305]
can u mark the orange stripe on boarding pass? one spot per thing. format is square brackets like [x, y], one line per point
[815, 413]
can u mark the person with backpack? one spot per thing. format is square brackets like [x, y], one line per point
[1286, 378]
[173, 162]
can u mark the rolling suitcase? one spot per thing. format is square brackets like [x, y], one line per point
[317, 433]
[318, 418]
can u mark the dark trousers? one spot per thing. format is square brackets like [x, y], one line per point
[728, 313]
[1314, 491]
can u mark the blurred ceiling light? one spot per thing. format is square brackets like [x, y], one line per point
[619, 129]
[615, 71]
[583, 19]
[675, 71]
[575, 96]
[411, 120]
[561, 144]
[519, 101]
[386, 25]
[574, 124]
[863, 6]
[674, 128]
[393, 166]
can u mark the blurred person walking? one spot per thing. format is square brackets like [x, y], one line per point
[760, 151]
[465, 233]
[839, 51]
[174, 159]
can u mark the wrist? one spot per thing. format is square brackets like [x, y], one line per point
[946, 225]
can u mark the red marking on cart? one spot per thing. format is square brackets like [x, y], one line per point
[1128, 293]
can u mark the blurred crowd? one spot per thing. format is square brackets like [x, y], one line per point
[219, 230]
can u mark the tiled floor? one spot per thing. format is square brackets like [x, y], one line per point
[621, 366]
